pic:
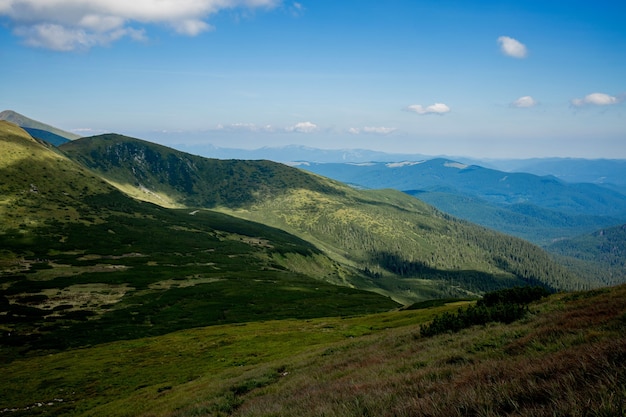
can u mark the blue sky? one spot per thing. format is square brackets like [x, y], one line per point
[483, 78]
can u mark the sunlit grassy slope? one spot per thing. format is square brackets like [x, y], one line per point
[565, 358]
[393, 243]
[39, 184]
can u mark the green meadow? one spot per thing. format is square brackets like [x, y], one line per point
[566, 357]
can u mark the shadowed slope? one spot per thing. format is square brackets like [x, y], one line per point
[155, 173]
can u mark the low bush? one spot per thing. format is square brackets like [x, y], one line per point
[503, 306]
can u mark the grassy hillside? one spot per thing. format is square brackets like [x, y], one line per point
[38, 184]
[168, 177]
[83, 264]
[601, 254]
[565, 358]
[406, 247]
[393, 244]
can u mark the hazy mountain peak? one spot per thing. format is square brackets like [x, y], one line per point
[38, 129]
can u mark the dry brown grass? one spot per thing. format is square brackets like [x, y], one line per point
[567, 360]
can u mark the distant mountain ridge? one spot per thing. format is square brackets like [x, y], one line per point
[575, 170]
[495, 186]
[536, 208]
[37, 129]
[292, 154]
[608, 172]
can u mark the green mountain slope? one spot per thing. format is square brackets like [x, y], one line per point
[38, 184]
[81, 263]
[165, 176]
[530, 222]
[601, 254]
[394, 244]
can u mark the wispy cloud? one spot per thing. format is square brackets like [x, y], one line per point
[596, 99]
[302, 127]
[437, 108]
[524, 102]
[381, 130]
[87, 131]
[296, 9]
[66, 25]
[512, 47]
[249, 127]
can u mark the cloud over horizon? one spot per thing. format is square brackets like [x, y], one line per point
[596, 99]
[381, 130]
[512, 47]
[67, 25]
[437, 108]
[302, 127]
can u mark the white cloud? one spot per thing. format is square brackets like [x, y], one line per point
[60, 38]
[437, 108]
[597, 99]
[302, 127]
[512, 47]
[65, 25]
[524, 102]
[372, 130]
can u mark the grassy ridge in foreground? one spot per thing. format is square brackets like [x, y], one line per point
[133, 377]
[566, 358]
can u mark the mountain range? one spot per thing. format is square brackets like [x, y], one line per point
[537, 208]
[606, 172]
